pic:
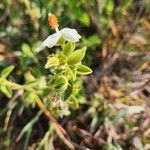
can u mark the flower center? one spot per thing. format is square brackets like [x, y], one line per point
[52, 21]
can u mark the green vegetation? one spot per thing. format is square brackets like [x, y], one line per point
[49, 96]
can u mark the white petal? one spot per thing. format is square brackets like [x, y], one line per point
[70, 34]
[40, 48]
[51, 40]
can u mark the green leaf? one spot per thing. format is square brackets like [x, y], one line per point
[6, 71]
[92, 41]
[68, 48]
[126, 4]
[60, 83]
[30, 98]
[109, 6]
[68, 91]
[27, 52]
[30, 124]
[85, 19]
[52, 62]
[13, 85]
[6, 90]
[61, 41]
[27, 3]
[83, 70]
[73, 102]
[71, 72]
[76, 56]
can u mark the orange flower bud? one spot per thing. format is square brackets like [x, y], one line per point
[52, 21]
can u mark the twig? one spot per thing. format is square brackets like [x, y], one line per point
[62, 137]
[16, 95]
[59, 129]
[49, 116]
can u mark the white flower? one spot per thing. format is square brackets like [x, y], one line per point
[68, 34]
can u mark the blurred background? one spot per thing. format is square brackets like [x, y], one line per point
[115, 99]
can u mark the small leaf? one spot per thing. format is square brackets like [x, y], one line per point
[68, 48]
[76, 56]
[52, 62]
[61, 41]
[6, 90]
[60, 83]
[71, 72]
[68, 91]
[92, 41]
[30, 98]
[126, 5]
[6, 71]
[27, 3]
[73, 102]
[27, 52]
[109, 6]
[83, 70]
[28, 76]
[85, 19]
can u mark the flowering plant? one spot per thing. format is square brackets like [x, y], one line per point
[68, 34]
[65, 66]
[56, 93]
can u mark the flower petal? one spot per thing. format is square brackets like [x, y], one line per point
[70, 34]
[51, 40]
[40, 48]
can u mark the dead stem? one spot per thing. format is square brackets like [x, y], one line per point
[59, 129]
